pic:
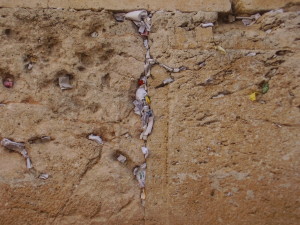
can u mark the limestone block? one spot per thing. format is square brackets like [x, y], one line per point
[250, 6]
[25, 4]
[204, 34]
[200, 37]
[188, 5]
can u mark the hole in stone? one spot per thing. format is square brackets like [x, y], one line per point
[106, 80]
[84, 58]
[8, 81]
[212, 193]
[121, 157]
[81, 68]
[94, 107]
[63, 73]
[7, 32]
[283, 52]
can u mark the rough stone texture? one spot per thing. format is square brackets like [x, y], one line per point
[216, 157]
[187, 5]
[87, 183]
[222, 159]
[251, 6]
[239, 6]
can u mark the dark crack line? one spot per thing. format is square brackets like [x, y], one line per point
[97, 211]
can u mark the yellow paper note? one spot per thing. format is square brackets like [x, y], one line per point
[219, 48]
[252, 96]
[148, 99]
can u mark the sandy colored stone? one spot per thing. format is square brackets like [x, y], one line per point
[239, 6]
[251, 6]
[215, 156]
[190, 5]
[227, 160]
[57, 44]
[25, 4]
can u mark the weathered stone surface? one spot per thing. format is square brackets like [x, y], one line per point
[215, 156]
[218, 157]
[240, 6]
[251, 6]
[188, 5]
[24, 3]
[86, 182]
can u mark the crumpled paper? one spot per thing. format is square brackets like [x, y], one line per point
[145, 151]
[138, 107]
[17, 147]
[121, 158]
[204, 25]
[140, 94]
[220, 49]
[44, 176]
[64, 82]
[248, 21]
[165, 82]
[173, 70]
[141, 19]
[96, 138]
[148, 130]
[20, 148]
[252, 96]
[140, 174]
[41, 139]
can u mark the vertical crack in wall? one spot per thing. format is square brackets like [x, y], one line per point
[142, 20]
[167, 158]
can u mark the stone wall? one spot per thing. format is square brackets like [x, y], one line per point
[189, 5]
[247, 6]
[251, 6]
[219, 158]
[216, 157]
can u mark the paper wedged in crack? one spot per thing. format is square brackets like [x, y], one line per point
[148, 129]
[171, 69]
[64, 82]
[121, 158]
[141, 93]
[204, 25]
[44, 176]
[120, 17]
[18, 147]
[11, 145]
[136, 15]
[96, 138]
[138, 107]
[145, 151]
[140, 173]
[168, 80]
